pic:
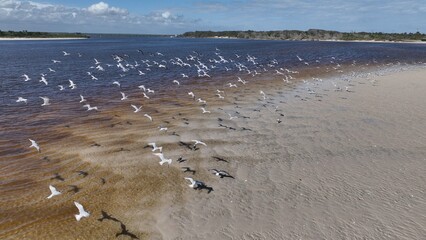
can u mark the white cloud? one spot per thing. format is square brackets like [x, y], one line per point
[102, 8]
[98, 17]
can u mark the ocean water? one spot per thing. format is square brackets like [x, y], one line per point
[222, 59]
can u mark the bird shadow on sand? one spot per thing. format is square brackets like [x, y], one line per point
[124, 231]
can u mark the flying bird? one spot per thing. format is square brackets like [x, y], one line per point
[53, 191]
[81, 212]
[124, 96]
[137, 109]
[198, 142]
[163, 159]
[148, 116]
[34, 145]
[154, 147]
[21, 99]
[26, 77]
[46, 101]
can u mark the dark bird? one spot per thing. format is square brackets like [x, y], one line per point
[106, 216]
[221, 173]
[58, 177]
[74, 188]
[188, 169]
[103, 181]
[83, 173]
[126, 232]
[95, 145]
[220, 159]
[181, 160]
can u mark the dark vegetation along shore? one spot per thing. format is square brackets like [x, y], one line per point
[311, 34]
[27, 34]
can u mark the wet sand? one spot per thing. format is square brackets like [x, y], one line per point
[339, 165]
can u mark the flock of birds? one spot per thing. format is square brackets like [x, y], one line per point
[194, 65]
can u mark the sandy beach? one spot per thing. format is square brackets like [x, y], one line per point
[309, 162]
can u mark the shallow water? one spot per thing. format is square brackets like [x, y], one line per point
[67, 133]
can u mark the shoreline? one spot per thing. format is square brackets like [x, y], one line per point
[37, 39]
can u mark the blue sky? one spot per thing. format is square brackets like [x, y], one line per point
[178, 16]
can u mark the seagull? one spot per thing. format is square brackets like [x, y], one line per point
[205, 111]
[72, 84]
[146, 115]
[163, 159]
[221, 173]
[96, 61]
[232, 117]
[34, 145]
[184, 75]
[56, 61]
[124, 97]
[137, 109]
[191, 94]
[61, 87]
[89, 108]
[300, 59]
[51, 70]
[201, 101]
[45, 101]
[82, 99]
[145, 96]
[163, 128]
[141, 73]
[81, 212]
[43, 80]
[194, 183]
[232, 85]
[149, 90]
[154, 147]
[66, 54]
[198, 142]
[93, 77]
[21, 99]
[220, 96]
[263, 94]
[117, 83]
[142, 87]
[54, 192]
[26, 77]
[176, 81]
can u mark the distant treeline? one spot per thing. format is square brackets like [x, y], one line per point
[311, 34]
[26, 34]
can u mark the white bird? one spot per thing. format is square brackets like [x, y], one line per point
[220, 96]
[221, 173]
[163, 159]
[142, 87]
[163, 128]
[66, 54]
[232, 117]
[176, 81]
[263, 94]
[51, 70]
[154, 147]
[137, 109]
[124, 96]
[141, 73]
[81, 212]
[43, 80]
[26, 77]
[21, 99]
[89, 108]
[232, 85]
[45, 101]
[93, 77]
[61, 88]
[194, 183]
[82, 99]
[145, 96]
[300, 59]
[184, 75]
[117, 83]
[72, 84]
[198, 142]
[56, 61]
[34, 145]
[96, 61]
[205, 111]
[146, 115]
[149, 90]
[53, 191]
[191, 94]
[201, 101]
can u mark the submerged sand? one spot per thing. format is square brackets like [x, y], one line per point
[339, 165]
